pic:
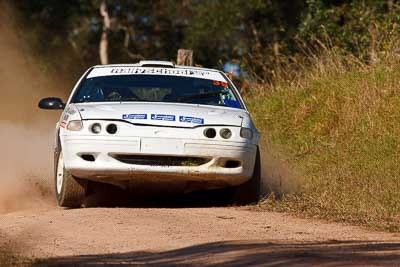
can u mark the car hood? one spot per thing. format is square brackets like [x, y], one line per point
[163, 114]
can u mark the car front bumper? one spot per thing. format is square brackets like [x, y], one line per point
[105, 167]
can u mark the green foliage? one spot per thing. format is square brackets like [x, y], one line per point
[359, 27]
[49, 27]
[262, 36]
[232, 30]
[216, 30]
[139, 29]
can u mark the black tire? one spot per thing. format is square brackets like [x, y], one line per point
[73, 190]
[249, 192]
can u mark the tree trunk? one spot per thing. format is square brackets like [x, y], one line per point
[103, 47]
[185, 57]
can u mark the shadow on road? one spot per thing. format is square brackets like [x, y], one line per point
[153, 196]
[242, 253]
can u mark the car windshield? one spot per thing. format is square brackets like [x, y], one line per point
[156, 88]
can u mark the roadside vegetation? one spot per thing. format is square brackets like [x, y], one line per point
[337, 126]
[10, 259]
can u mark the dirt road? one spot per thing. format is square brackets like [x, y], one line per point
[191, 236]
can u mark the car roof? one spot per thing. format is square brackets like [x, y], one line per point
[155, 63]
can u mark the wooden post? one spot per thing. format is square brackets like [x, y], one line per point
[185, 57]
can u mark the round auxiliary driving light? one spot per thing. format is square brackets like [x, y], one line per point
[111, 128]
[225, 133]
[210, 132]
[246, 133]
[95, 128]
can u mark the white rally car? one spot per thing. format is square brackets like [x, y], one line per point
[154, 121]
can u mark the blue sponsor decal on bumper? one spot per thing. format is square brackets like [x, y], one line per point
[134, 116]
[191, 120]
[162, 117]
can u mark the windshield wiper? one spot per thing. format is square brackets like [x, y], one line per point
[202, 95]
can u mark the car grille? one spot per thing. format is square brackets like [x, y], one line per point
[161, 160]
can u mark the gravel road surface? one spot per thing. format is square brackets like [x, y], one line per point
[191, 236]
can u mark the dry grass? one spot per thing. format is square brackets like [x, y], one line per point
[10, 259]
[338, 125]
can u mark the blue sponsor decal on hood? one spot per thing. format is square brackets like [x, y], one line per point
[191, 120]
[134, 116]
[163, 117]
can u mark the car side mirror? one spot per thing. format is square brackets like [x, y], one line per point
[51, 103]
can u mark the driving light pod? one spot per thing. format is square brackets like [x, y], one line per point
[246, 133]
[95, 128]
[210, 133]
[111, 128]
[75, 125]
[225, 133]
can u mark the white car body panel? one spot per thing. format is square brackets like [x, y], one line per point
[159, 130]
[141, 112]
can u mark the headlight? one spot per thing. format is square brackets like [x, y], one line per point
[95, 128]
[246, 133]
[75, 125]
[225, 133]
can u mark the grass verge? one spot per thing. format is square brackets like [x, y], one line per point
[9, 259]
[338, 127]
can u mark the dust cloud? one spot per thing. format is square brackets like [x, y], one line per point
[26, 133]
[277, 177]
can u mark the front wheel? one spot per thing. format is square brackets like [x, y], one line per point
[249, 192]
[70, 191]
